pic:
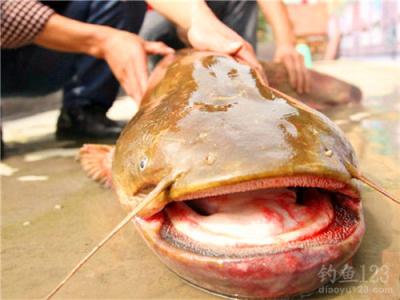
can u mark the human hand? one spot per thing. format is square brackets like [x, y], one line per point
[294, 62]
[210, 34]
[126, 54]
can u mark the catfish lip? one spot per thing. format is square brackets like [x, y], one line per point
[311, 181]
[328, 203]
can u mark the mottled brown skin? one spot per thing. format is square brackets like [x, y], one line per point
[211, 121]
[211, 127]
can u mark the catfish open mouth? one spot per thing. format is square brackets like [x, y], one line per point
[261, 217]
[264, 238]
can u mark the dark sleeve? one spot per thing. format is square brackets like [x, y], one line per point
[22, 21]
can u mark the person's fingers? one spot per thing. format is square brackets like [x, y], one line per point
[307, 80]
[131, 85]
[254, 65]
[261, 74]
[133, 93]
[231, 47]
[132, 89]
[157, 48]
[247, 55]
[139, 66]
[290, 67]
[139, 87]
[134, 78]
[125, 76]
[214, 36]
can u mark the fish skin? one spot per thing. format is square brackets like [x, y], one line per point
[211, 120]
[209, 123]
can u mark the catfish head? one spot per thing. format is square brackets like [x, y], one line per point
[259, 197]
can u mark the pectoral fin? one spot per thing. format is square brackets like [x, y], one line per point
[96, 160]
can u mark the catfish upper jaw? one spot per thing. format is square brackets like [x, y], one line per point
[344, 188]
[238, 185]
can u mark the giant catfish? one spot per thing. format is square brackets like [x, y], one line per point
[258, 191]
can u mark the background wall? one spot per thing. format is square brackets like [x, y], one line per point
[340, 28]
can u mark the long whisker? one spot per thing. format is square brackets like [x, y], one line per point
[163, 184]
[356, 174]
[292, 99]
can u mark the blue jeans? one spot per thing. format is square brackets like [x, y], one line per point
[34, 71]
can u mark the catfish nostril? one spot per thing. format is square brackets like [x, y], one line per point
[143, 163]
[210, 158]
[328, 152]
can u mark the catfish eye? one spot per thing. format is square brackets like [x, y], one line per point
[143, 163]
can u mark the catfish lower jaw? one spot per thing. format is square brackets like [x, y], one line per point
[281, 258]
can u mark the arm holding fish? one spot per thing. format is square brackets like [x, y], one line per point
[129, 67]
[204, 31]
[277, 15]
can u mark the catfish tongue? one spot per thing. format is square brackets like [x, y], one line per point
[260, 217]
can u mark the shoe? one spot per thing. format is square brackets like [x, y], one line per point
[89, 122]
[2, 154]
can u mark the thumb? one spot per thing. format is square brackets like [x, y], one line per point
[231, 47]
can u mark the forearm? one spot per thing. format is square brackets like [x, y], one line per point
[64, 34]
[182, 13]
[277, 15]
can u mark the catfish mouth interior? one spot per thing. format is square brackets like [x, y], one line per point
[262, 216]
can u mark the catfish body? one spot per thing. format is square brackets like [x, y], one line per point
[260, 198]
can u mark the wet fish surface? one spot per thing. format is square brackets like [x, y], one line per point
[260, 197]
